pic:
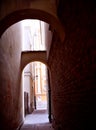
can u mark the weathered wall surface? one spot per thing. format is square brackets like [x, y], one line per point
[48, 37]
[73, 67]
[10, 76]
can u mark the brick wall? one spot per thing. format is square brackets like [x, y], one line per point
[73, 68]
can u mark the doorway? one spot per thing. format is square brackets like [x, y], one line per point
[35, 93]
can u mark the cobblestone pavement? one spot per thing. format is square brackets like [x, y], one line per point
[38, 120]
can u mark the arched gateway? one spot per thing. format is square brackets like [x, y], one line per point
[40, 9]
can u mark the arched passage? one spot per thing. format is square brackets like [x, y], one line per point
[19, 10]
[43, 76]
[40, 14]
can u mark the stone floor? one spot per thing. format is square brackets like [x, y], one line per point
[38, 120]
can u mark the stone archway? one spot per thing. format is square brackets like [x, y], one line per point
[39, 56]
[39, 9]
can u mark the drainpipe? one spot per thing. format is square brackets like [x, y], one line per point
[35, 102]
[34, 96]
[49, 99]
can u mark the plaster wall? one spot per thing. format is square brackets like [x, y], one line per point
[10, 78]
[8, 6]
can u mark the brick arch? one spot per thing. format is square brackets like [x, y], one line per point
[40, 14]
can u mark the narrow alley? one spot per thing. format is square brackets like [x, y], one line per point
[38, 120]
[47, 53]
